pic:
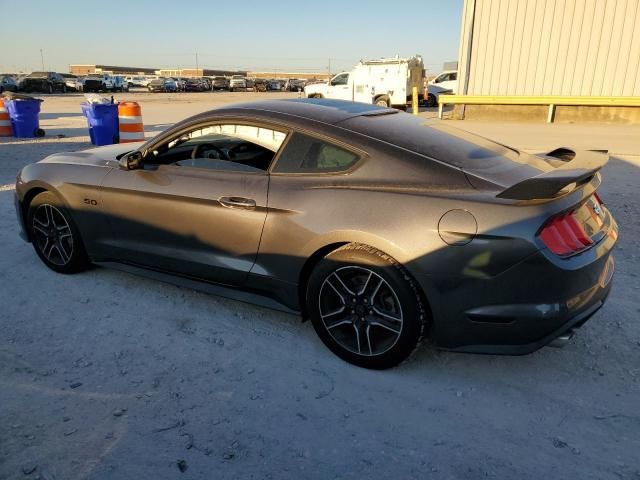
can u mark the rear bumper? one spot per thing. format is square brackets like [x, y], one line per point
[524, 308]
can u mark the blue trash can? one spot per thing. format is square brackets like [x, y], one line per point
[103, 122]
[24, 117]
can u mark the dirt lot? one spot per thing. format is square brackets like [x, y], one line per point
[104, 375]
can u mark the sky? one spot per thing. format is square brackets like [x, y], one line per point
[303, 35]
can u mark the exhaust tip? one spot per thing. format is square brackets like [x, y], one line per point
[562, 340]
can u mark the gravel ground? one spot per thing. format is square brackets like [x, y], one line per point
[104, 375]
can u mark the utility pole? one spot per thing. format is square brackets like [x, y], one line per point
[329, 67]
[42, 59]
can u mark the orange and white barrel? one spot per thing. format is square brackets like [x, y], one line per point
[130, 122]
[5, 121]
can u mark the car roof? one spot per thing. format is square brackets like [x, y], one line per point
[321, 110]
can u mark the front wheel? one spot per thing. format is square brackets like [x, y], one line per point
[55, 237]
[382, 101]
[365, 307]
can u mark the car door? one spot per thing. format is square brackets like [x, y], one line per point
[340, 88]
[194, 213]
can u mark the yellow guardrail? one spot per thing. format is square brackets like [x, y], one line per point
[552, 101]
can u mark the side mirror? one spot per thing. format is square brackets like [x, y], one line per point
[132, 161]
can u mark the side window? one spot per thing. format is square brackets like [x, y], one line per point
[453, 76]
[234, 147]
[304, 154]
[341, 79]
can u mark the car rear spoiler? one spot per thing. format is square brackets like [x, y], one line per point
[578, 167]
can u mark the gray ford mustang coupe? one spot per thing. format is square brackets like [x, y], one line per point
[379, 227]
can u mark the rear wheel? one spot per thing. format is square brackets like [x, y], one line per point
[365, 307]
[431, 100]
[55, 237]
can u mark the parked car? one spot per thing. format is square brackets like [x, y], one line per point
[260, 85]
[249, 83]
[194, 85]
[48, 82]
[119, 84]
[220, 83]
[237, 82]
[445, 83]
[162, 85]
[98, 82]
[8, 84]
[71, 81]
[136, 81]
[294, 85]
[274, 85]
[397, 228]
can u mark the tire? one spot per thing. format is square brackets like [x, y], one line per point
[63, 251]
[64, 89]
[50, 89]
[382, 101]
[431, 100]
[357, 292]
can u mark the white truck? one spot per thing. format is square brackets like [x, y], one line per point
[385, 82]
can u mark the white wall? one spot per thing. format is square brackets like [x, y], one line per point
[550, 47]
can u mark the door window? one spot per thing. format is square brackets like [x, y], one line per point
[234, 147]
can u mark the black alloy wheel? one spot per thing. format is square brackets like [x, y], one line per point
[365, 307]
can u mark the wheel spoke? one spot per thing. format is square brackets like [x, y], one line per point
[66, 256]
[44, 249]
[49, 213]
[355, 328]
[369, 339]
[48, 255]
[366, 283]
[40, 222]
[338, 286]
[384, 323]
[386, 315]
[39, 229]
[372, 297]
[331, 314]
[337, 323]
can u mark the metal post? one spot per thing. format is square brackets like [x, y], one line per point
[414, 100]
[551, 113]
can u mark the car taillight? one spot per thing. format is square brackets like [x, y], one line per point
[564, 235]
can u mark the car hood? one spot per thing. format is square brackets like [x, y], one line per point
[97, 157]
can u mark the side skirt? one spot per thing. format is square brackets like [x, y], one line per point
[252, 297]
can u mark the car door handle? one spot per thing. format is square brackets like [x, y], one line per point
[237, 202]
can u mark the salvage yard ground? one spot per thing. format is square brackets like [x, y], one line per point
[104, 375]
